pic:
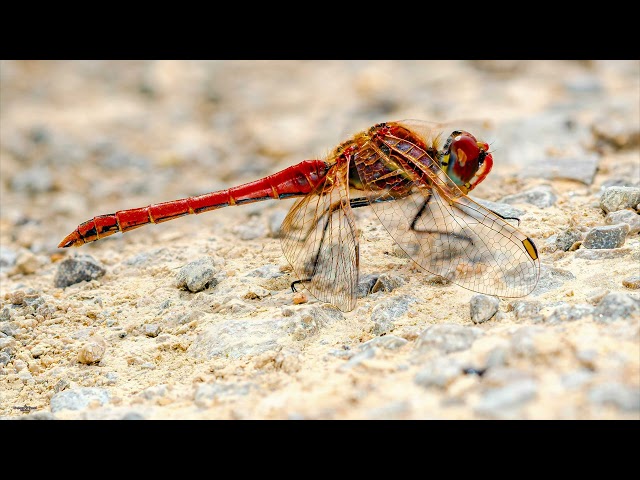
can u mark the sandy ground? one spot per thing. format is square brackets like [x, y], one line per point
[79, 139]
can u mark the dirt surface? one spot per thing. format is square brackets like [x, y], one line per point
[113, 330]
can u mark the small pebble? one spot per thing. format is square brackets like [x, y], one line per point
[27, 263]
[499, 401]
[616, 306]
[77, 269]
[567, 238]
[387, 283]
[541, 197]
[198, 275]
[389, 342]
[151, 330]
[16, 298]
[447, 338]
[79, 398]
[608, 237]
[632, 282]
[384, 314]
[629, 217]
[570, 313]
[483, 308]
[8, 258]
[624, 397]
[619, 198]
[439, 373]
[365, 284]
[299, 297]
[4, 359]
[93, 350]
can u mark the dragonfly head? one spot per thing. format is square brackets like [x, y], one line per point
[465, 160]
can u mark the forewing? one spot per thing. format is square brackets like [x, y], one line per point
[319, 239]
[447, 233]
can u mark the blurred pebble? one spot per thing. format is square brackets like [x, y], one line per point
[615, 306]
[16, 298]
[612, 236]
[207, 392]
[93, 350]
[503, 209]
[498, 401]
[629, 217]
[357, 359]
[624, 397]
[266, 271]
[619, 198]
[602, 254]
[154, 392]
[552, 278]
[37, 416]
[33, 181]
[132, 416]
[632, 282]
[8, 258]
[79, 398]
[8, 345]
[576, 378]
[617, 133]
[583, 84]
[387, 283]
[582, 169]
[541, 197]
[9, 328]
[483, 308]
[570, 313]
[526, 310]
[447, 338]
[151, 330]
[275, 222]
[388, 342]
[384, 314]
[439, 372]
[77, 269]
[249, 232]
[566, 238]
[28, 263]
[198, 275]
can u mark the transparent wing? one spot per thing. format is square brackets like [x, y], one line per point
[319, 239]
[444, 231]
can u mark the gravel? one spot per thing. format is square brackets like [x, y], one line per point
[198, 275]
[612, 236]
[630, 217]
[77, 269]
[619, 198]
[483, 308]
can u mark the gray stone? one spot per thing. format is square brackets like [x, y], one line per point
[9, 328]
[483, 308]
[388, 342]
[503, 209]
[155, 391]
[37, 416]
[132, 416]
[447, 338]
[602, 254]
[570, 313]
[498, 402]
[33, 181]
[365, 284]
[77, 269]
[266, 271]
[577, 378]
[621, 396]
[552, 278]
[384, 314]
[611, 236]
[4, 358]
[615, 306]
[566, 238]
[357, 359]
[439, 372]
[79, 398]
[151, 330]
[619, 198]
[630, 217]
[581, 169]
[541, 197]
[387, 283]
[198, 275]
[275, 222]
[211, 391]
[8, 258]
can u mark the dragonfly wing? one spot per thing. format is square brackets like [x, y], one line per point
[448, 234]
[319, 239]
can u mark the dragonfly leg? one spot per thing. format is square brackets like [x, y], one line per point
[293, 284]
[421, 212]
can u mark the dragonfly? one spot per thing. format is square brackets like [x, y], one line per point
[414, 178]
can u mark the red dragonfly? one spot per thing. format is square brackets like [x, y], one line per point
[416, 185]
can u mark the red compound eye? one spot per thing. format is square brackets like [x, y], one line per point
[466, 148]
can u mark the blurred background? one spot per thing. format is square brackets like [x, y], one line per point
[82, 138]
